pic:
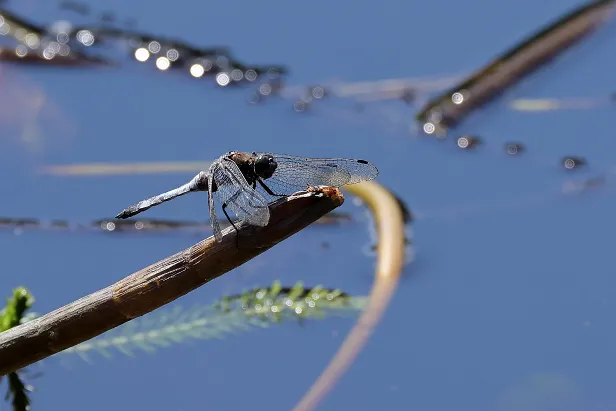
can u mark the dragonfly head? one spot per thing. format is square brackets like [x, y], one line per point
[265, 165]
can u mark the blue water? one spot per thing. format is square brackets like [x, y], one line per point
[508, 304]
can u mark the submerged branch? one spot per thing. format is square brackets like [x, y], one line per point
[160, 283]
[448, 109]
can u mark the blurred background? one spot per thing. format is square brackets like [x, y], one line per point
[507, 299]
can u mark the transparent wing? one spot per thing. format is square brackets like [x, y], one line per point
[213, 220]
[295, 173]
[233, 190]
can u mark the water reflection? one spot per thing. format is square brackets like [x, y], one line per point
[112, 225]
[66, 44]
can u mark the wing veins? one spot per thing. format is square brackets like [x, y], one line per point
[234, 191]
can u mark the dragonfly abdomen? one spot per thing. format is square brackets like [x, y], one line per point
[198, 183]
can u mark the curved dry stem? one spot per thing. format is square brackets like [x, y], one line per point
[390, 260]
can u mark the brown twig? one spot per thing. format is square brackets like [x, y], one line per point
[160, 283]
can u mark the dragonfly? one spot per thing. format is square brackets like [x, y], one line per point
[244, 182]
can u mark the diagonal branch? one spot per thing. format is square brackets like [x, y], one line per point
[160, 283]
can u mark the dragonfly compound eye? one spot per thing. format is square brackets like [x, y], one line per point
[265, 165]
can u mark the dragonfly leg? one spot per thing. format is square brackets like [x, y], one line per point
[268, 190]
[237, 232]
[254, 187]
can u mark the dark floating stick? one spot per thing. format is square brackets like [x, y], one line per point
[468, 142]
[448, 109]
[514, 149]
[35, 42]
[20, 55]
[69, 47]
[110, 225]
[573, 162]
[16, 22]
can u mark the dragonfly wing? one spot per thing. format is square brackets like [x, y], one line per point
[213, 220]
[295, 173]
[233, 190]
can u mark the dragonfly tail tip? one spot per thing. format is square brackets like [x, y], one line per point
[124, 214]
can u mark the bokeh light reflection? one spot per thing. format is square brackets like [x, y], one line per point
[20, 34]
[85, 37]
[32, 40]
[250, 75]
[163, 63]
[21, 51]
[154, 47]
[62, 38]
[265, 89]
[142, 54]
[429, 128]
[197, 70]
[64, 50]
[48, 54]
[237, 75]
[223, 79]
[173, 54]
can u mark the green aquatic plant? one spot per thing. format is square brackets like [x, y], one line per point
[12, 315]
[259, 307]
[15, 311]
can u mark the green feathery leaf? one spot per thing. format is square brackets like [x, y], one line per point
[12, 315]
[229, 315]
[16, 307]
